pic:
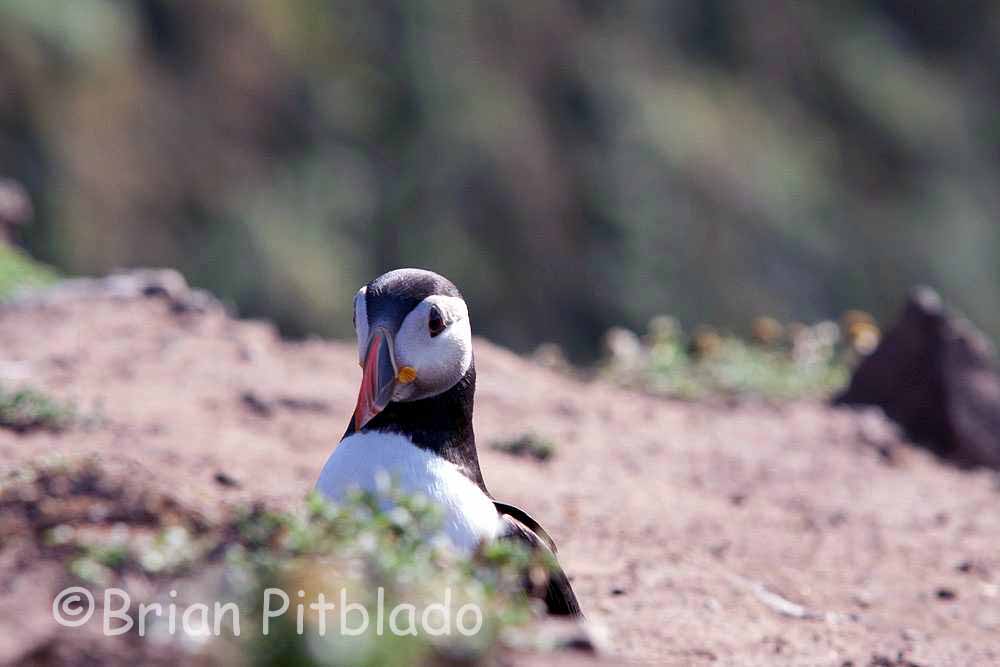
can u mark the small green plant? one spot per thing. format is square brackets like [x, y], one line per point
[94, 560]
[112, 556]
[28, 409]
[528, 444]
[173, 550]
[18, 271]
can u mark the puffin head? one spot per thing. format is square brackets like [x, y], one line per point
[414, 339]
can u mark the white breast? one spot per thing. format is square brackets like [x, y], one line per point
[468, 514]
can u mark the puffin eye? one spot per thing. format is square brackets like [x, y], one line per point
[435, 323]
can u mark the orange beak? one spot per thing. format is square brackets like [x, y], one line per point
[378, 380]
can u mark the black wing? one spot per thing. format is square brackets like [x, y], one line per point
[518, 525]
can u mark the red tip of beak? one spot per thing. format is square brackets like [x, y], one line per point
[378, 379]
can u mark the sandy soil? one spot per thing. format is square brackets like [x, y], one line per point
[696, 534]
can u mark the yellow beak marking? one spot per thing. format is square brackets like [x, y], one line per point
[406, 375]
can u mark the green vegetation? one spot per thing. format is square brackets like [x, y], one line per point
[18, 271]
[388, 542]
[361, 547]
[528, 444]
[28, 409]
[97, 563]
[781, 362]
[711, 158]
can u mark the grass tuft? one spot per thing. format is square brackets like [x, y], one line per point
[18, 271]
[528, 444]
[24, 410]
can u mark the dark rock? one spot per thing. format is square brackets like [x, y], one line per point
[225, 479]
[297, 404]
[885, 661]
[265, 407]
[256, 404]
[945, 594]
[936, 376]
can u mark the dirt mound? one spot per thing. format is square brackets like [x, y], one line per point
[704, 534]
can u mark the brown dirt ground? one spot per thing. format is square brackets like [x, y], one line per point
[696, 533]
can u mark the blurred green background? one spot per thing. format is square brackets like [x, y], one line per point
[570, 165]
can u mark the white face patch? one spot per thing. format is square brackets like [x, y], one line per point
[439, 361]
[361, 322]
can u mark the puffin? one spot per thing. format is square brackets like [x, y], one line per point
[413, 418]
